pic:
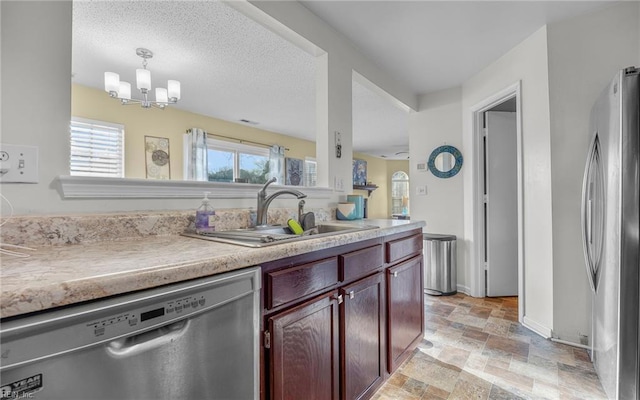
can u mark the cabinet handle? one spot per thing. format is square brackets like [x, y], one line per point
[352, 294]
[395, 274]
[339, 298]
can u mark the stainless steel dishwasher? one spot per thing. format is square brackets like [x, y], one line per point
[192, 340]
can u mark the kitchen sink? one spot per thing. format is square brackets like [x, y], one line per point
[277, 234]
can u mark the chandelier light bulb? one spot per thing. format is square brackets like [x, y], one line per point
[161, 95]
[143, 79]
[111, 82]
[174, 90]
[125, 90]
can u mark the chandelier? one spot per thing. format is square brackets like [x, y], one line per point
[122, 90]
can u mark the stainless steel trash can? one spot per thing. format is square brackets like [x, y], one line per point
[440, 264]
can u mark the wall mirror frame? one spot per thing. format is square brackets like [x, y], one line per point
[445, 161]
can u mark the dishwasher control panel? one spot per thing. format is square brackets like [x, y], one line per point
[160, 312]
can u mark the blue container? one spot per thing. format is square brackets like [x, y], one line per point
[358, 200]
[346, 211]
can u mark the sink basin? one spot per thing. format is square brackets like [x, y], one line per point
[337, 228]
[276, 234]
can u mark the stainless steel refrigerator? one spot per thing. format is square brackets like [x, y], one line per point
[611, 234]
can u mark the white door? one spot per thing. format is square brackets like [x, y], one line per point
[501, 221]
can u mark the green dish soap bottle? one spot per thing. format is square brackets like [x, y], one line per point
[205, 214]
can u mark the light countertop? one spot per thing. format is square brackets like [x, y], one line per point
[60, 275]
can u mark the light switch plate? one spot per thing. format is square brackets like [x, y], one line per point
[18, 164]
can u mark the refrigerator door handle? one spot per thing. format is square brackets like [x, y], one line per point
[592, 213]
[589, 219]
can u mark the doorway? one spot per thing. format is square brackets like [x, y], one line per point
[500, 203]
[498, 232]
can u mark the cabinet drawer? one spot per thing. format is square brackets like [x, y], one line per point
[402, 248]
[293, 283]
[360, 263]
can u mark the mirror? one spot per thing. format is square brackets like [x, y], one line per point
[445, 161]
[228, 66]
[106, 34]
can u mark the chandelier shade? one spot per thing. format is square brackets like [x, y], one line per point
[122, 90]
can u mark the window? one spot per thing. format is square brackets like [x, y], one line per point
[400, 193]
[236, 162]
[97, 148]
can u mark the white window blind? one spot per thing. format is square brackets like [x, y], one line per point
[97, 148]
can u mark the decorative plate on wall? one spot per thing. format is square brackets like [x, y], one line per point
[157, 157]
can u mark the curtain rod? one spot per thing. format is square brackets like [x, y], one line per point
[243, 140]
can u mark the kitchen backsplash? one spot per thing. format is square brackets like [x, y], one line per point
[74, 229]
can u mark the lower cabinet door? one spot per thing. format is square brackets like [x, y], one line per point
[405, 310]
[304, 351]
[363, 337]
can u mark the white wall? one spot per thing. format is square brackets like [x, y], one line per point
[526, 62]
[577, 75]
[438, 122]
[36, 98]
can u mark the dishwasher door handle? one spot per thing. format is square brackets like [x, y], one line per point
[133, 345]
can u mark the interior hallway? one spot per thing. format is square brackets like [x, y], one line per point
[474, 348]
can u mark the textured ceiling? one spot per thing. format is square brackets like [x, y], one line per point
[230, 67]
[434, 45]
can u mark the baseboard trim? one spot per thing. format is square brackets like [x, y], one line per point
[536, 327]
[464, 289]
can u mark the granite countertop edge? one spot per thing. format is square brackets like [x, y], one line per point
[56, 276]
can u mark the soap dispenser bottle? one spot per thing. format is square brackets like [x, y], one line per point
[205, 216]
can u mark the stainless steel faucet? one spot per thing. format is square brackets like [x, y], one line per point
[300, 210]
[264, 201]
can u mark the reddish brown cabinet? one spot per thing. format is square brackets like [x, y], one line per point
[304, 350]
[403, 247]
[289, 284]
[405, 313]
[363, 337]
[357, 264]
[335, 320]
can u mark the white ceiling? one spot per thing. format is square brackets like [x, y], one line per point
[233, 68]
[434, 45]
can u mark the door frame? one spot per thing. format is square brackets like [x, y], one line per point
[478, 282]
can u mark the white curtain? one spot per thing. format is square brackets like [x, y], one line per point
[276, 163]
[196, 155]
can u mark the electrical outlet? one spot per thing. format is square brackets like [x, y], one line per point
[338, 184]
[18, 163]
[421, 167]
[421, 190]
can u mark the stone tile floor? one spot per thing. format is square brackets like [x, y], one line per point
[474, 348]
